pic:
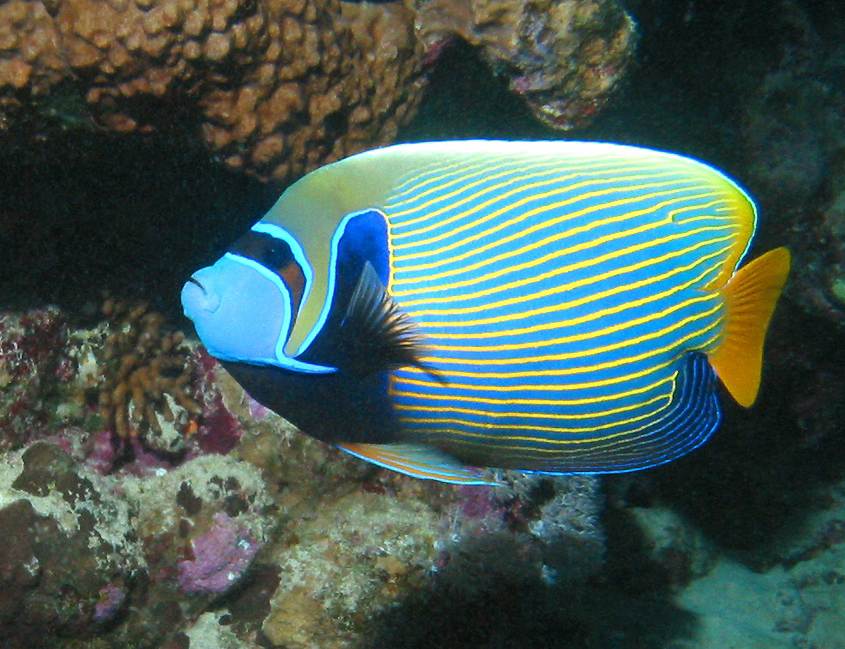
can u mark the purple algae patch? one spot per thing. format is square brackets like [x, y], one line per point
[220, 430]
[221, 556]
[110, 600]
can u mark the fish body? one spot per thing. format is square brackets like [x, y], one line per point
[561, 307]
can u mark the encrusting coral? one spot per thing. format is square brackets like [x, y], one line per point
[30, 369]
[562, 57]
[146, 379]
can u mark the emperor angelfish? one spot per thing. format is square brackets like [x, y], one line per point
[555, 307]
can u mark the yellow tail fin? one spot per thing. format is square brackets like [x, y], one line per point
[750, 298]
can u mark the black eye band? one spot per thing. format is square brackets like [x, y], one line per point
[265, 249]
[275, 255]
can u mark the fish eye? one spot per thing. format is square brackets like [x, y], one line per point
[270, 252]
[277, 254]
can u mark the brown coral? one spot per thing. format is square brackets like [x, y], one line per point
[281, 85]
[278, 87]
[146, 380]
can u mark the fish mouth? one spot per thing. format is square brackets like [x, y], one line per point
[197, 299]
[194, 280]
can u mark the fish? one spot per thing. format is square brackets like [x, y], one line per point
[444, 308]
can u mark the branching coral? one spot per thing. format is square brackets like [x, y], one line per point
[146, 389]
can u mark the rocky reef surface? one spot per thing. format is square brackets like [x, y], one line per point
[171, 510]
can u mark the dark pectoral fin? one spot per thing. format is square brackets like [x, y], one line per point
[375, 334]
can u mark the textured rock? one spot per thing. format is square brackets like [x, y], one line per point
[679, 550]
[794, 142]
[69, 549]
[562, 56]
[781, 608]
[31, 366]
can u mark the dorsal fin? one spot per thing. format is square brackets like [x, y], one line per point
[750, 298]
[375, 333]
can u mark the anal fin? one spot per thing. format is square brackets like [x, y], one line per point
[750, 299]
[418, 461]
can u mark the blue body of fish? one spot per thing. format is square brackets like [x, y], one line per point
[562, 307]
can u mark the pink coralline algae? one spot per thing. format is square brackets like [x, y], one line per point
[102, 452]
[221, 557]
[220, 430]
[109, 603]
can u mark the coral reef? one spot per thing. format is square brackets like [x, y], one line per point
[278, 541]
[257, 535]
[362, 550]
[278, 87]
[146, 377]
[176, 512]
[144, 393]
[563, 57]
[89, 549]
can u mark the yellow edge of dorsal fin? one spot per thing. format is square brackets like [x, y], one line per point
[750, 299]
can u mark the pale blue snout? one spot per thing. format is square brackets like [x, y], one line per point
[199, 296]
[241, 311]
